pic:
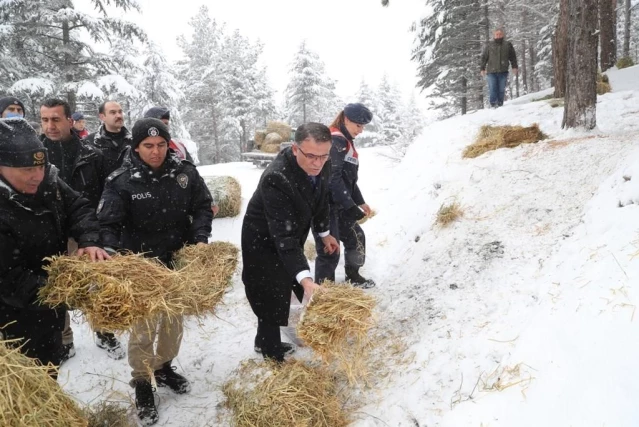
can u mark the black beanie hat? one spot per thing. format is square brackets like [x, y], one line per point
[158, 113]
[5, 101]
[358, 113]
[145, 128]
[20, 146]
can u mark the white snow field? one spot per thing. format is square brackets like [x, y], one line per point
[522, 313]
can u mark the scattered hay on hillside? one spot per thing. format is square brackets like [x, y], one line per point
[280, 128]
[263, 394]
[335, 325]
[494, 137]
[227, 192]
[367, 217]
[625, 62]
[29, 396]
[310, 251]
[447, 214]
[108, 415]
[116, 294]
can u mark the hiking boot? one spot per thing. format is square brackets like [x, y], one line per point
[145, 402]
[107, 341]
[356, 279]
[167, 377]
[66, 352]
[286, 348]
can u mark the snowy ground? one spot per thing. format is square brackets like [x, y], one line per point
[530, 293]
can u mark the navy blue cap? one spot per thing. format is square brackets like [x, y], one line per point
[158, 113]
[77, 116]
[358, 113]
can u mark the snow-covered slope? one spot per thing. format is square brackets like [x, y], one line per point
[536, 281]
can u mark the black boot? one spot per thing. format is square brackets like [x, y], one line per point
[66, 352]
[107, 341]
[145, 402]
[353, 276]
[166, 376]
[287, 348]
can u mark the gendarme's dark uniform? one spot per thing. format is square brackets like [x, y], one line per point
[82, 166]
[111, 145]
[345, 195]
[277, 222]
[33, 227]
[155, 212]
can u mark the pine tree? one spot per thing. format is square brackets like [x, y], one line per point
[310, 93]
[50, 39]
[389, 112]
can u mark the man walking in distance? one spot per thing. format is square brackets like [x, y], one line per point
[154, 204]
[292, 196]
[111, 138]
[495, 58]
[82, 167]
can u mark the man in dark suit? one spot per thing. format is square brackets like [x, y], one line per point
[292, 196]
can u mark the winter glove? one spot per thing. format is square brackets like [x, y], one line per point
[354, 213]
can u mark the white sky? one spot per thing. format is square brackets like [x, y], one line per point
[354, 38]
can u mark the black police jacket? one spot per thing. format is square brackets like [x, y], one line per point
[155, 213]
[88, 170]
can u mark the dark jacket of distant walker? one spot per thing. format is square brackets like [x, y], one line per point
[277, 222]
[112, 146]
[155, 212]
[32, 228]
[87, 171]
[345, 192]
[496, 56]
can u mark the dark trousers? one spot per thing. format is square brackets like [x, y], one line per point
[497, 88]
[351, 235]
[269, 340]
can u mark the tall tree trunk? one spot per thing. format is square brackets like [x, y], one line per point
[626, 29]
[464, 97]
[486, 24]
[607, 35]
[581, 84]
[216, 138]
[68, 71]
[523, 68]
[533, 64]
[559, 50]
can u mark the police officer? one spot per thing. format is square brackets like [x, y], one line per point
[291, 196]
[38, 213]
[347, 203]
[82, 167]
[112, 137]
[154, 204]
[11, 107]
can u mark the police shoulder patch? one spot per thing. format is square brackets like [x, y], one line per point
[183, 180]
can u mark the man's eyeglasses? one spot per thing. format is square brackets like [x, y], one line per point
[313, 157]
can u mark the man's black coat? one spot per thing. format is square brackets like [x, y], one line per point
[31, 229]
[276, 225]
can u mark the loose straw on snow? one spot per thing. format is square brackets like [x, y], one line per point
[30, 397]
[115, 294]
[295, 394]
[335, 325]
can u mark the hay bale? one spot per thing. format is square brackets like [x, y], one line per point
[603, 88]
[117, 294]
[260, 136]
[262, 394]
[227, 192]
[625, 62]
[367, 217]
[335, 325]
[493, 137]
[270, 148]
[30, 397]
[108, 415]
[310, 251]
[280, 128]
[448, 214]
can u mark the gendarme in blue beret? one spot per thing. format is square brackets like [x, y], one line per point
[358, 113]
